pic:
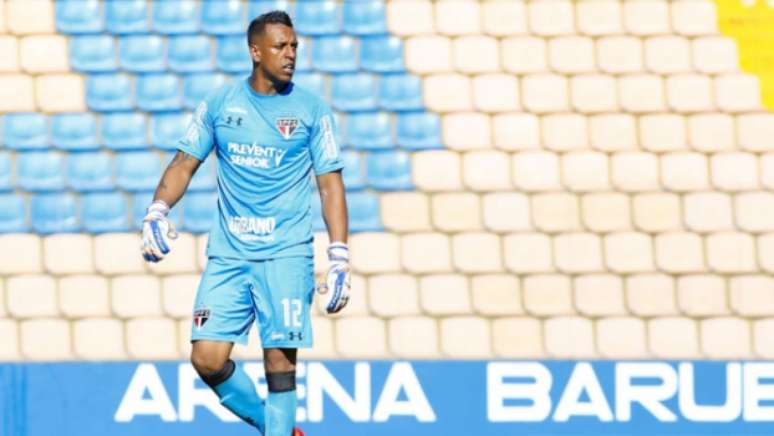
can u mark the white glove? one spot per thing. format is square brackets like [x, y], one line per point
[336, 288]
[157, 232]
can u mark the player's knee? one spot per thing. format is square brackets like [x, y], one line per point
[207, 363]
[281, 381]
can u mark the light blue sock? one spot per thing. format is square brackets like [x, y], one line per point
[237, 393]
[281, 413]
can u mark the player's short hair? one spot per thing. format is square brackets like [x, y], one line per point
[258, 25]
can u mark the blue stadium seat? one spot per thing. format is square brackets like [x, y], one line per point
[6, 171]
[143, 53]
[312, 82]
[104, 212]
[364, 215]
[318, 224]
[259, 7]
[90, 171]
[232, 55]
[418, 131]
[109, 92]
[400, 92]
[353, 173]
[39, 171]
[382, 54]
[369, 131]
[74, 131]
[365, 17]
[175, 16]
[335, 54]
[196, 86]
[93, 54]
[190, 53]
[13, 214]
[221, 17]
[199, 211]
[79, 16]
[389, 171]
[54, 213]
[167, 128]
[322, 17]
[124, 130]
[141, 201]
[304, 55]
[26, 131]
[354, 92]
[205, 178]
[126, 16]
[138, 170]
[159, 92]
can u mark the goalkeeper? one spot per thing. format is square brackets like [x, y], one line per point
[268, 136]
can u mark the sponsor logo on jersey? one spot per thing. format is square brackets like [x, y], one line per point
[286, 126]
[250, 228]
[200, 316]
[277, 336]
[233, 120]
[255, 156]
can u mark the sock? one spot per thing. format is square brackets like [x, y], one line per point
[281, 404]
[237, 393]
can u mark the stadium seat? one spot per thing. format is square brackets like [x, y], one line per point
[321, 17]
[199, 211]
[369, 131]
[205, 177]
[400, 92]
[167, 128]
[196, 86]
[455, 212]
[91, 171]
[140, 203]
[13, 214]
[335, 54]
[143, 53]
[419, 131]
[123, 130]
[109, 92]
[259, 7]
[25, 131]
[353, 173]
[365, 17]
[104, 213]
[138, 171]
[126, 16]
[353, 92]
[223, 17]
[232, 55]
[159, 92]
[312, 82]
[74, 131]
[382, 54]
[364, 212]
[93, 54]
[54, 213]
[79, 16]
[40, 171]
[389, 171]
[304, 55]
[190, 53]
[6, 171]
[176, 16]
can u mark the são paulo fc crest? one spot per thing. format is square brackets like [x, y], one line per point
[200, 316]
[286, 126]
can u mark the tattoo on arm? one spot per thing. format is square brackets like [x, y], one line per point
[179, 158]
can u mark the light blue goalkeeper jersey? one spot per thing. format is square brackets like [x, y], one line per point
[267, 148]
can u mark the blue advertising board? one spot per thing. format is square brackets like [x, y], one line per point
[381, 398]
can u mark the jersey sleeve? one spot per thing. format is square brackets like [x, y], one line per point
[323, 147]
[200, 135]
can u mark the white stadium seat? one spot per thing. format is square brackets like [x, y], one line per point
[629, 252]
[620, 54]
[465, 337]
[506, 211]
[324, 342]
[391, 295]
[406, 18]
[60, 93]
[496, 93]
[578, 252]
[528, 252]
[571, 54]
[177, 294]
[657, 212]
[548, 295]
[713, 55]
[708, 212]
[736, 171]
[496, 294]
[524, 54]
[117, 253]
[763, 337]
[679, 252]
[68, 253]
[476, 54]
[45, 339]
[755, 211]
[444, 294]
[585, 171]
[515, 131]
[605, 212]
[599, 17]
[427, 54]
[84, 296]
[182, 258]
[667, 54]
[684, 172]
[456, 212]
[650, 295]
[594, 93]
[755, 131]
[99, 339]
[535, 171]
[565, 132]
[9, 54]
[549, 18]
[17, 93]
[414, 337]
[646, 17]
[701, 295]
[621, 338]
[29, 18]
[152, 338]
[613, 132]
[22, 253]
[437, 170]
[545, 93]
[504, 17]
[486, 171]
[569, 337]
[711, 132]
[476, 252]
[642, 93]
[448, 93]
[663, 132]
[731, 252]
[361, 337]
[517, 337]
[44, 54]
[466, 131]
[738, 93]
[9, 346]
[136, 296]
[31, 296]
[383, 252]
[752, 295]
[726, 338]
[694, 17]
[556, 212]
[405, 211]
[673, 338]
[458, 17]
[599, 295]
[426, 252]
[688, 93]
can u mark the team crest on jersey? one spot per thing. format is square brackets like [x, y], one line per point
[286, 126]
[200, 316]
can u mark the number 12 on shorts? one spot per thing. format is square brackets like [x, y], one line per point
[292, 311]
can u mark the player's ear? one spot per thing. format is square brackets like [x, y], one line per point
[255, 53]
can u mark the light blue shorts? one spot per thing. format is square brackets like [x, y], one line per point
[232, 293]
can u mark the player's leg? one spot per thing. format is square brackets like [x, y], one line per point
[280, 367]
[223, 314]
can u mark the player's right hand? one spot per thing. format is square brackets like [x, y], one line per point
[157, 232]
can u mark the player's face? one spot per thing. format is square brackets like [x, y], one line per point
[275, 52]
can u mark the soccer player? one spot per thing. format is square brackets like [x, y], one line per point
[268, 136]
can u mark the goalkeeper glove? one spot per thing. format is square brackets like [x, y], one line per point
[157, 232]
[336, 287]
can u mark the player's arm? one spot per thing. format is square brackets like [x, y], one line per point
[334, 205]
[176, 178]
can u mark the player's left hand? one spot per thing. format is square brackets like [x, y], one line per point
[337, 281]
[157, 232]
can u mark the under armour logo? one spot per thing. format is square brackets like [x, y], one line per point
[230, 120]
[295, 336]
